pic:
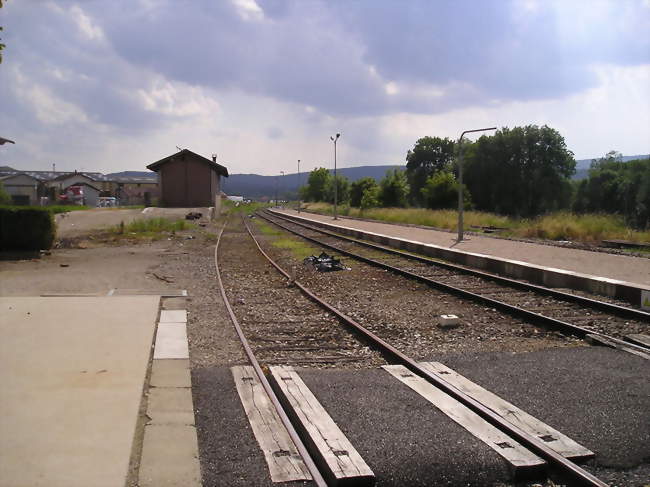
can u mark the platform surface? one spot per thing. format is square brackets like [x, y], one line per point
[72, 373]
[625, 268]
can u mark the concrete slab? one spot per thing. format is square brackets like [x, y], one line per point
[72, 372]
[169, 457]
[173, 316]
[170, 405]
[171, 341]
[174, 303]
[170, 373]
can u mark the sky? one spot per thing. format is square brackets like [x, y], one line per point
[108, 86]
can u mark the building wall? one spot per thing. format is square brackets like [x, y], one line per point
[188, 182]
[22, 185]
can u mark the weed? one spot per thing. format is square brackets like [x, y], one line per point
[300, 250]
[151, 227]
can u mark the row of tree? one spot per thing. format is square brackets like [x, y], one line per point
[522, 172]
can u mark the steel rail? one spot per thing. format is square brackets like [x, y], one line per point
[309, 462]
[529, 316]
[537, 446]
[594, 303]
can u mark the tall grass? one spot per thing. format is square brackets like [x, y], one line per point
[587, 228]
[151, 226]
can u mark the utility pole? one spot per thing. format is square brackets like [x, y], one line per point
[460, 180]
[336, 183]
[298, 192]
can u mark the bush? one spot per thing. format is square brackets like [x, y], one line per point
[26, 228]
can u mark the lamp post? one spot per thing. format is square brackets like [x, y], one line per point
[298, 192]
[282, 180]
[334, 139]
[460, 179]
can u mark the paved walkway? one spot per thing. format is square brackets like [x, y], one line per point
[621, 267]
[72, 373]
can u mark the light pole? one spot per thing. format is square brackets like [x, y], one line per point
[460, 179]
[282, 179]
[336, 184]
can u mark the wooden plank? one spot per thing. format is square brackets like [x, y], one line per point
[335, 456]
[284, 462]
[173, 316]
[555, 440]
[600, 340]
[639, 339]
[521, 460]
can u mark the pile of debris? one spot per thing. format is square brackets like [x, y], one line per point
[325, 263]
[193, 215]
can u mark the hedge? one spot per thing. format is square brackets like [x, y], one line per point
[26, 228]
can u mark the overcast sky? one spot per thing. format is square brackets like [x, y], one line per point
[115, 85]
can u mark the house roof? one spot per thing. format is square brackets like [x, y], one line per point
[217, 167]
[85, 184]
[10, 176]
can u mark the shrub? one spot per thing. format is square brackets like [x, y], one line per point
[24, 228]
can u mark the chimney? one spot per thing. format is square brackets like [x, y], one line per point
[214, 158]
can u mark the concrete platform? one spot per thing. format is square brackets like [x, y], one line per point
[72, 371]
[619, 276]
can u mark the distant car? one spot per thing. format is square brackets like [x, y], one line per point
[106, 202]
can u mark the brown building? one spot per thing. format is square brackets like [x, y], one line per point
[188, 180]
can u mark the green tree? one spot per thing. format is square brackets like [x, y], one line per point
[370, 197]
[394, 189]
[441, 191]
[2, 46]
[358, 188]
[5, 198]
[342, 188]
[317, 184]
[428, 156]
[522, 171]
[617, 187]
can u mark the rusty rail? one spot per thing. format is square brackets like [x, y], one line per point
[530, 316]
[575, 472]
[309, 462]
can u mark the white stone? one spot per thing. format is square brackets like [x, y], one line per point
[448, 321]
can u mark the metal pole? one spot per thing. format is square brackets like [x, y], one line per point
[298, 185]
[276, 191]
[282, 179]
[460, 179]
[336, 184]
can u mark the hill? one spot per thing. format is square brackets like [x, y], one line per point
[255, 186]
[133, 174]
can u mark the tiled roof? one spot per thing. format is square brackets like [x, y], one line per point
[95, 176]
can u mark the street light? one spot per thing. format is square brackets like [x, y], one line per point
[298, 185]
[334, 139]
[460, 179]
[276, 201]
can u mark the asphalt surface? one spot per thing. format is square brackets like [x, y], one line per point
[597, 396]
[229, 453]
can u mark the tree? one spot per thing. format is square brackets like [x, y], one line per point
[394, 189]
[342, 189]
[522, 171]
[617, 187]
[370, 197]
[317, 184]
[2, 46]
[5, 198]
[429, 155]
[441, 191]
[358, 188]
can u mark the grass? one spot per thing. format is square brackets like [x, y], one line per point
[247, 208]
[300, 250]
[587, 228]
[151, 227]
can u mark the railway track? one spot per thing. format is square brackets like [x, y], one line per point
[571, 471]
[583, 317]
